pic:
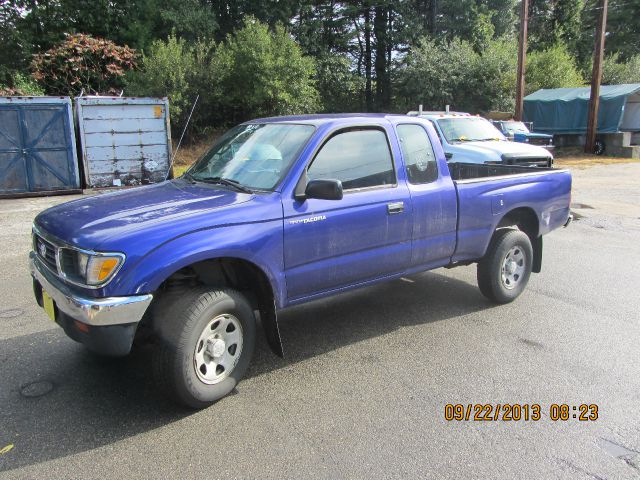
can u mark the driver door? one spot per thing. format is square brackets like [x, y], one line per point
[331, 244]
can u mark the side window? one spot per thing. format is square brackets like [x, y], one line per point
[418, 154]
[358, 158]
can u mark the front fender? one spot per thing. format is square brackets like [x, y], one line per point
[259, 243]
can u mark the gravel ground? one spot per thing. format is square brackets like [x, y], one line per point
[366, 377]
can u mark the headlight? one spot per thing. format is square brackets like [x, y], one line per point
[89, 268]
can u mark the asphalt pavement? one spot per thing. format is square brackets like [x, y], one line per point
[363, 388]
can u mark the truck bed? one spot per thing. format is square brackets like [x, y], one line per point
[470, 171]
[486, 193]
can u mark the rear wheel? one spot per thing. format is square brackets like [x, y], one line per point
[505, 270]
[206, 339]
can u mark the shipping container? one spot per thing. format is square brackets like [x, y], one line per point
[124, 140]
[37, 147]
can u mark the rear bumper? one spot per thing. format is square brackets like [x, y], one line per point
[105, 325]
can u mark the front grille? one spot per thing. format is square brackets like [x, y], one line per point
[46, 252]
[544, 142]
[527, 161]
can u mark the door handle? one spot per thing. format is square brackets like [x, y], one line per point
[394, 208]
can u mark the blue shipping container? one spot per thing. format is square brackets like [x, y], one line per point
[37, 146]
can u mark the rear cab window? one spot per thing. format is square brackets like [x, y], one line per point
[417, 151]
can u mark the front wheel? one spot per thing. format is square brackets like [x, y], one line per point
[504, 271]
[206, 340]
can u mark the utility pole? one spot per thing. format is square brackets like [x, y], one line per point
[596, 77]
[522, 57]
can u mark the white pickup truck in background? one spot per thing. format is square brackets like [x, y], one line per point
[472, 139]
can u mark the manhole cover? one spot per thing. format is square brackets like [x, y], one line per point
[11, 313]
[36, 389]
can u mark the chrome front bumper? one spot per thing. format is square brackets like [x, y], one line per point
[96, 312]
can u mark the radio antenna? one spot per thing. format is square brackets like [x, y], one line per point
[184, 130]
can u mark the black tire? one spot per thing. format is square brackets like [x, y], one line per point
[490, 275]
[179, 320]
[599, 147]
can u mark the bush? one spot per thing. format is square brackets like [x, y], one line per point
[615, 71]
[552, 68]
[174, 69]
[264, 73]
[21, 85]
[82, 62]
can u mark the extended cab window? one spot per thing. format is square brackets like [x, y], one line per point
[358, 158]
[417, 151]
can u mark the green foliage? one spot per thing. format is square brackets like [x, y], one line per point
[21, 85]
[175, 69]
[340, 89]
[189, 19]
[255, 73]
[359, 54]
[552, 68]
[615, 71]
[82, 62]
[555, 22]
[453, 73]
[264, 72]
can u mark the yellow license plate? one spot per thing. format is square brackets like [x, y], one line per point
[49, 307]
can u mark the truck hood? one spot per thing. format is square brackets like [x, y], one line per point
[481, 152]
[532, 135]
[92, 222]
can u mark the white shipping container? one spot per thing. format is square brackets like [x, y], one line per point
[124, 140]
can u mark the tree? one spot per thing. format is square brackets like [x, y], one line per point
[436, 74]
[340, 88]
[555, 22]
[263, 73]
[616, 71]
[179, 70]
[82, 62]
[552, 68]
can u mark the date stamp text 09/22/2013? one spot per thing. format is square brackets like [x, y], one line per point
[514, 412]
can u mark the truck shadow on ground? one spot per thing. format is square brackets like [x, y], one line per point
[56, 399]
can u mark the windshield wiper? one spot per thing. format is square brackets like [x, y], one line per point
[189, 177]
[226, 181]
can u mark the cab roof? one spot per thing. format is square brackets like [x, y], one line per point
[324, 118]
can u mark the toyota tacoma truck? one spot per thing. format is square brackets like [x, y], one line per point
[279, 212]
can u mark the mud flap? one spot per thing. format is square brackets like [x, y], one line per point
[271, 330]
[536, 266]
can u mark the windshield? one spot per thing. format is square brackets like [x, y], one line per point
[468, 129]
[515, 127]
[252, 155]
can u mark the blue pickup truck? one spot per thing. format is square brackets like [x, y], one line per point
[472, 139]
[281, 211]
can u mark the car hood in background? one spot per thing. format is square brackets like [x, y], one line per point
[500, 147]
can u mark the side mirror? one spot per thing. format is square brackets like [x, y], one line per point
[324, 189]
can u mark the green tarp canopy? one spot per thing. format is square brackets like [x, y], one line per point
[565, 110]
